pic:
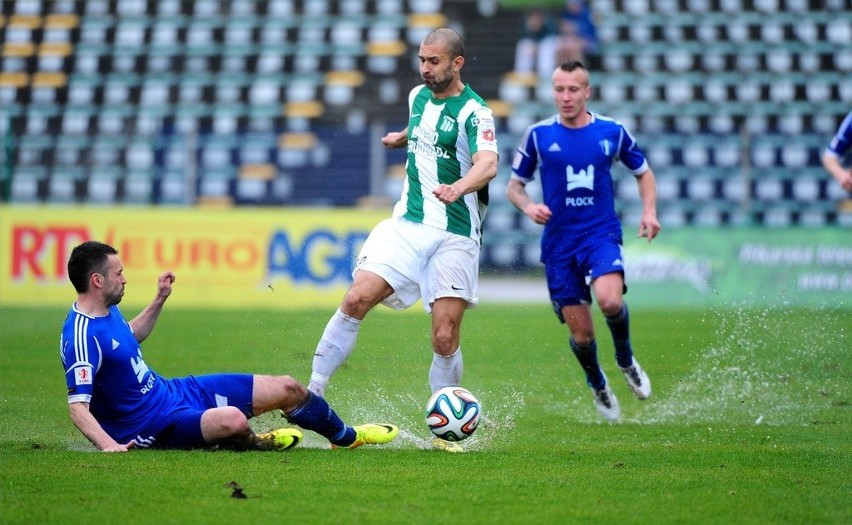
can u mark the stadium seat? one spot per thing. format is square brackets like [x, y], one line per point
[294, 149]
[838, 30]
[25, 183]
[168, 8]
[701, 187]
[768, 188]
[763, 154]
[712, 60]
[33, 149]
[782, 90]
[818, 91]
[155, 90]
[696, 153]
[708, 216]
[636, 7]
[340, 86]
[70, 150]
[678, 91]
[734, 187]
[102, 185]
[389, 7]
[130, 32]
[807, 188]
[707, 33]
[138, 187]
[727, 153]
[842, 59]
[778, 216]
[62, 184]
[722, 123]
[39, 117]
[216, 182]
[280, 8]
[779, 60]
[176, 187]
[383, 57]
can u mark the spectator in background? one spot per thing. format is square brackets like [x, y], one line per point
[578, 35]
[535, 51]
[833, 155]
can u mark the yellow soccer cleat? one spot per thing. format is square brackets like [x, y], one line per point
[372, 434]
[446, 446]
[281, 438]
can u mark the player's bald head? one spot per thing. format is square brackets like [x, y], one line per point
[449, 39]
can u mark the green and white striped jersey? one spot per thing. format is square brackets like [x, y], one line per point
[443, 135]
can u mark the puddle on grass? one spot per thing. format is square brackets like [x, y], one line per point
[768, 367]
[499, 410]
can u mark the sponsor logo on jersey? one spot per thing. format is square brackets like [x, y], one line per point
[582, 179]
[554, 147]
[115, 344]
[139, 366]
[83, 375]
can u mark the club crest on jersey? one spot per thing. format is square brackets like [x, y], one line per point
[606, 146]
[447, 124]
[83, 375]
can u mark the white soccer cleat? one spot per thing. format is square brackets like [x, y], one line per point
[637, 380]
[607, 404]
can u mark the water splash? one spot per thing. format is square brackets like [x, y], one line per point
[769, 367]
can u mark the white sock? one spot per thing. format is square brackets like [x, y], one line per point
[446, 371]
[338, 340]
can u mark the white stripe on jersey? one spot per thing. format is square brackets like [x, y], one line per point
[81, 342]
[81, 348]
[434, 211]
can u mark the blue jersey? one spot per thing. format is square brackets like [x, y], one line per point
[842, 140]
[575, 169]
[104, 367]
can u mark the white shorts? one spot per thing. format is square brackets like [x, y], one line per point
[420, 261]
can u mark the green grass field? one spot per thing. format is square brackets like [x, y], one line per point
[749, 422]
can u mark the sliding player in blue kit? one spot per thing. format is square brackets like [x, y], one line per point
[581, 244]
[118, 403]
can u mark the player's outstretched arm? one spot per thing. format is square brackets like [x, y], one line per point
[649, 226]
[516, 193]
[484, 169]
[143, 323]
[396, 139]
[842, 175]
[89, 427]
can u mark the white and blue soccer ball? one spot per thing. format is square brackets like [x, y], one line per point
[452, 413]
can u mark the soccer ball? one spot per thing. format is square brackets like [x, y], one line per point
[452, 413]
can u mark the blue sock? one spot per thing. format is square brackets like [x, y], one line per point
[587, 355]
[315, 414]
[619, 326]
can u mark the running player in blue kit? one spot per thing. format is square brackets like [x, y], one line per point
[833, 155]
[118, 403]
[581, 244]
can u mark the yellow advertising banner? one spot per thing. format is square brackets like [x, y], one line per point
[274, 258]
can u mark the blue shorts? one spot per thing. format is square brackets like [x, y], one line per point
[569, 277]
[179, 426]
